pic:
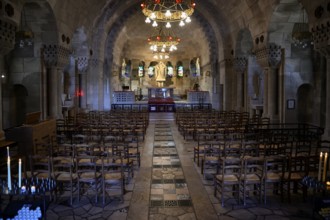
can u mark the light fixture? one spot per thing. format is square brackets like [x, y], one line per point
[159, 55]
[168, 11]
[163, 41]
[301, 36]
[24, 37]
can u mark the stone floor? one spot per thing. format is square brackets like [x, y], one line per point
[169, 185]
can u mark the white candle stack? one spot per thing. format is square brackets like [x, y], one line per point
[8, 174]
[322, 175]
[19, 173]
[320, 167]
[325, 166]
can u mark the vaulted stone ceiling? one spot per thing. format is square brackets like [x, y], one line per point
[117, 28]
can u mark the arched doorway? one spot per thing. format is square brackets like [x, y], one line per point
[305, 104]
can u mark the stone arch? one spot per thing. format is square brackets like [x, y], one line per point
[305, 103]
[113, 33]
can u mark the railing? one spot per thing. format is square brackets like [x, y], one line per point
[296, 131]
[177, 106]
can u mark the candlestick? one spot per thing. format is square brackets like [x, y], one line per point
[325, 166]
[8, 174]
[320, 167]
[19, 172]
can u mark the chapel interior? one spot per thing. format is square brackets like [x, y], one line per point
[167, 99]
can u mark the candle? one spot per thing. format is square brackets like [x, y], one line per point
[7, 151]
[23, 189]
[19, 172]
[33, 189]
[8, 174]
[320, 167]
[325, 166]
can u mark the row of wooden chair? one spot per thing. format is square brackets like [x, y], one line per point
[244, 177]
[78, 174]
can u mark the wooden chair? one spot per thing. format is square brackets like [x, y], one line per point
[211, 157]
[227, 179]
[251, 177]
[295, 169]
[63, 174]
[88, 177]
[113, 178]
[272, 176]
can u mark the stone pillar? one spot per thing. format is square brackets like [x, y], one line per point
[239, 65]
[53, 99]
[265, 110]
[55, 58]
[226, 67]
[93, 84]
[82, 67]
[321, 35]
[269, 58]
[7, 42]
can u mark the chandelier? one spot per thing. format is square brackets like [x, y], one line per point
[168, 11]
[163, 42]
[301, 36]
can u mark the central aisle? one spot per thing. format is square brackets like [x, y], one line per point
[167, 185]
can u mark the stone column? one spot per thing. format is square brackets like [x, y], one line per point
[239, 65]
[7, 42]
[82, 67]
[93, 84]
[226, 67]
[321, 37]
[55, 58]
[269, 58]
[274, 61]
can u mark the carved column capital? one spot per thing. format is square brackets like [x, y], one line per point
[240, 64]
[56, 55]
[269, 56]
[321, 37]
[7, 36]
[82, 64]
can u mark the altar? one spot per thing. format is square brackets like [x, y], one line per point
[160, 99]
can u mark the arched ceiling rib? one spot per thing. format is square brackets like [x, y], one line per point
[126, 23]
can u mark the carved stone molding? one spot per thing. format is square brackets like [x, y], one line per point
[269, 56]
[82, 64]
[55, 55]
[7, 36]
[321, 36]
[239, 64]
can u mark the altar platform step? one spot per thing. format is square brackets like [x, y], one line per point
[167, 116]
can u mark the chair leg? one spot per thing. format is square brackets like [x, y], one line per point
[78, 191]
